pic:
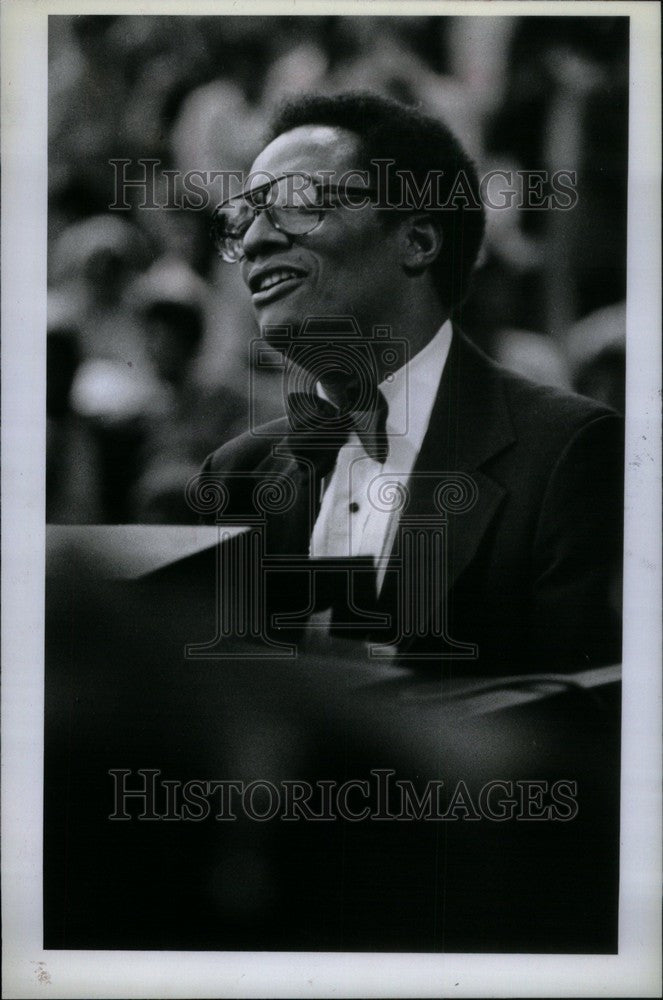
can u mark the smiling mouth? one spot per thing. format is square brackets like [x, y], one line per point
[274, 283]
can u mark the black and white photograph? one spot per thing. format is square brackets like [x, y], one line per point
[331, 481]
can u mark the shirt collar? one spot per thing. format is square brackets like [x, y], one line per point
[411, 390]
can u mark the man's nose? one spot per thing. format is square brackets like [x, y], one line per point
[261, 237]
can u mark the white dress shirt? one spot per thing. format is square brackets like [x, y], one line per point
[350, 522]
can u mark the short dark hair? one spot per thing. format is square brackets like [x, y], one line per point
[418, 144]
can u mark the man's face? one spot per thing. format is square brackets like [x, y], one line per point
[347, 266]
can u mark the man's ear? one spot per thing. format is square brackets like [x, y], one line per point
[421, 242]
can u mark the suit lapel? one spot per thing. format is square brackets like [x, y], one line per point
[289, 530]
[469, 425]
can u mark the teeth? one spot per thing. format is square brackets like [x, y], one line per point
[274, 278]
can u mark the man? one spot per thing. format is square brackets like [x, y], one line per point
[490, 507]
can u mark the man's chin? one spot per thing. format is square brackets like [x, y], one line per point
[276, 330]
[288, 307]
[275, 315]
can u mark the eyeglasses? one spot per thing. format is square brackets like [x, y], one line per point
[294, 203]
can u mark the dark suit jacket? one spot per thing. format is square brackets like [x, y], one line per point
[532, 562]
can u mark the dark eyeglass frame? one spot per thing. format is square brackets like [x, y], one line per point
[317, 212]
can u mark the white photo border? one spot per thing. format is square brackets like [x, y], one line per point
[29, 970]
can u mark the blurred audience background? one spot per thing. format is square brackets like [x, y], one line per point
[148, 341]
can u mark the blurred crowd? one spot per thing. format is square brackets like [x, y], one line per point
[149, 333]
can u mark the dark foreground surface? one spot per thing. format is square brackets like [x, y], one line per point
[472, 873]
